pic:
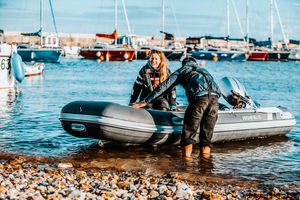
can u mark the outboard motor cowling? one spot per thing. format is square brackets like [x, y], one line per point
[235, 93]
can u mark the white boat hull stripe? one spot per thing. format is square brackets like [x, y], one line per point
[167, 129]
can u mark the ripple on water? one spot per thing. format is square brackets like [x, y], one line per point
[29, 122]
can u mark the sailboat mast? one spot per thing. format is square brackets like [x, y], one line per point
[285, 39]
[126, 17]
[228, 24]
[247, 20]
[271, 23]
[228, 19]
[163, 21]
[41, 20]
[238, 19]
[116, 17]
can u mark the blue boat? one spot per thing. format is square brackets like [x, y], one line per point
[48, 50]
[44, 54]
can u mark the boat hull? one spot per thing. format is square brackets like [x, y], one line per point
[33, 69]
[277, 56]
[257, 56]
[215, 55]
[113, 122]
[173, 55]
[144, 54]
[11, 67]
[40, 55]
[108, 55]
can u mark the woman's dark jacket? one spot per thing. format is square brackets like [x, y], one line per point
[144, 85]
[192, 79]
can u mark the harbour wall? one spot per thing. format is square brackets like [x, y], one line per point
[88, 40]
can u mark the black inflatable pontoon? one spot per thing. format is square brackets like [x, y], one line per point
[119, 123]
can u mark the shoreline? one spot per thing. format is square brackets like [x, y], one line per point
[46, 178]
[79, 39]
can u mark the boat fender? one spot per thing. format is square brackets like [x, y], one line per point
[98, 54]
[107, 56]
[147, 51]
[126, 56]
[32, 55]
[17, 67]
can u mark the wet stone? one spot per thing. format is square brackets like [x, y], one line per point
[65, 165]
[37, 181]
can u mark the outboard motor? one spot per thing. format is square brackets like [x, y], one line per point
[235, 93]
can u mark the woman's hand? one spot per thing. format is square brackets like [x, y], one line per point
[139, 105]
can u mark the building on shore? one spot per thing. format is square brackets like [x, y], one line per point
[81, 40]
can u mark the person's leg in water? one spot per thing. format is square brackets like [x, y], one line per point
[192, 118]
[208, 123]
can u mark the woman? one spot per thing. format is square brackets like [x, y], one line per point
[153, 73]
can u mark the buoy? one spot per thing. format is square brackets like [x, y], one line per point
[202, 63]
[107, 56]
[17, 67]
[98, 54]
[126, 46]
[215, 58]
[101, 58]
[246, 55]
[126, 56]
[32, 55]
[147, 51]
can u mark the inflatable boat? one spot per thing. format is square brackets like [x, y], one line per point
[109, 121]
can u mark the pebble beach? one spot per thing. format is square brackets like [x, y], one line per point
[41, 178]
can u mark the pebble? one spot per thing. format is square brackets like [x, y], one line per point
[25, 180]
[64, 165]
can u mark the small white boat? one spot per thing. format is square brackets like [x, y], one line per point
[34, 69]
[109, 121]
[71, 51]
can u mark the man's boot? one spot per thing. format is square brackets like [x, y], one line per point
[205, 151]
[187, 150]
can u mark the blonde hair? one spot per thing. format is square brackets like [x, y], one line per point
[163, 71]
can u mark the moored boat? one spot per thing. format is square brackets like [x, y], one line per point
[106, 52]
[295, 54]
[173, 54]
[219, 54]
[33, 69]
[277, 56]
[121, 49]
[47, 51]
[143, 53]
[39, 54]
[123, 124]
[257, 55]
[11, 67]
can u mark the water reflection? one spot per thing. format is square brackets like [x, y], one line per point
[8, 101]
[8, 98]
[237, 161]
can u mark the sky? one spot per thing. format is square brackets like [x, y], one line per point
[183, 18]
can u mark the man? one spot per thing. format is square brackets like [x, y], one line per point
[203, 95]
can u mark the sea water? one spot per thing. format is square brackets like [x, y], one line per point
[29, 123]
